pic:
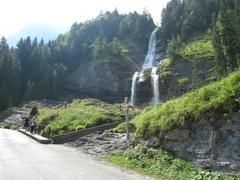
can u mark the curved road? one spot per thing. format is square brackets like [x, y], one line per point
[21, 158]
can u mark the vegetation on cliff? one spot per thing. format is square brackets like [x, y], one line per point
[184, 20]
[223, 95]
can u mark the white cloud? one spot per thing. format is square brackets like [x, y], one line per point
[15, 14]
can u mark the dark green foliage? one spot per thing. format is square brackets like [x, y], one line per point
[35, 70]
[173, 46]
[78, 46]
[226, 37]
[184, 20]
[34, 111]
[10, 74]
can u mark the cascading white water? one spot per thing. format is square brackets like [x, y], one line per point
[155, 85]
[150, 57]
[133, 88]
[148, 63]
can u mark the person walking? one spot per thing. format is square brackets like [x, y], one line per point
[32, 124]
[26, 124]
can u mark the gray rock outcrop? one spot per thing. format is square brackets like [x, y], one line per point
[210, 142]
[100, 80]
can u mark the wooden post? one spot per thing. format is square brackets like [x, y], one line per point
[49, 132]
[126, 116]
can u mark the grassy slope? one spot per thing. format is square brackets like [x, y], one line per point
[161, 164]
[224, 94]
[80, 114]
[198, 49]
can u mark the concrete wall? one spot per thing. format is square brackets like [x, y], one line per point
[72, 136]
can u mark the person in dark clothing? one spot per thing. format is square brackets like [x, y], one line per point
[26, 124]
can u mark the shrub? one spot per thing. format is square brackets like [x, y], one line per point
[34, 111]
[121, 128]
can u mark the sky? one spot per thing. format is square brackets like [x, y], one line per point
[16, 14]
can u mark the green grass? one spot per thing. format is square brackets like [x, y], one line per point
[197, 49]
[79, 115]
[183, 80]
[223, 94]
[161, 164]
[165, 69]
[121, 128]
[147, 72]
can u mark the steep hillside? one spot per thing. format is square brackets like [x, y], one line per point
[36, 30]
[112, 53]
[202, 125]
[108, 77]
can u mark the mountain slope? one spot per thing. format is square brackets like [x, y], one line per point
[38, 30]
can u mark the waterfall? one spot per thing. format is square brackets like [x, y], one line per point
[150, 57]
[155, 86]
[149, 62]
[133, 88]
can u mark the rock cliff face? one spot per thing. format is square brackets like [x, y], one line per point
[99, 80]
[107, 78]
[211, 142]
[176, 77]
[112, 83]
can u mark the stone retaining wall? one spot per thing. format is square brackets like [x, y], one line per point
[72, 136]
[36, 137]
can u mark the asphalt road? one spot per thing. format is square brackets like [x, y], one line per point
[21, 158]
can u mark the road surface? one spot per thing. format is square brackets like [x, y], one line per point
[21, 158]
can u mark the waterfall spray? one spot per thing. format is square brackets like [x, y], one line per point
[133, 89]
[155, 86]
[150, 62]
